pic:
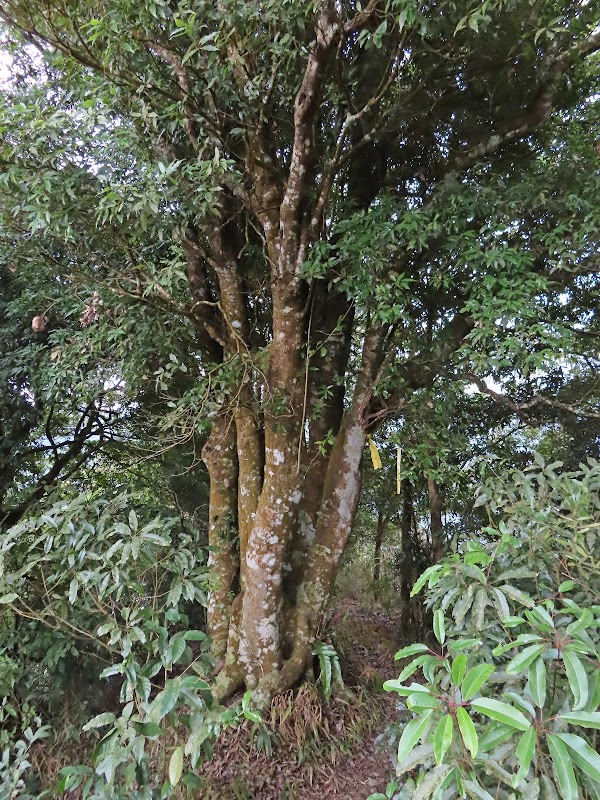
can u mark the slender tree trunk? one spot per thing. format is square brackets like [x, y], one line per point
[438, 543]
[382, 521]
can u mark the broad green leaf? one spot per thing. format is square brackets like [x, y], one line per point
[439, 628]
[586, 719]
[194, 636]
[500, 603]
[442, 738]
[584, 756]
[520, 702]
[411, 734]
[478, 609]
[8, 598]
[148, 729]
[462, 644]
[540, 615]
[165, 701]
[419, 756]
[411, 650]
[522, 638]
[516, 594]
[433, 779]
[524, 752]
[467, 731]
[412, 667]
[459, 667]
[461, 608]
[566, 586]
[563, 768]
[512, 622]
[474, 680]
[395, 685]
[577, 678]
[474, 572]
[430, 572]
[420, 700]
[176, 766]
[536, 681]
[501, 712]
[474, 789]
[585, 619]
[99, 721]
[493, 736]
[550, 792]
[523, 659]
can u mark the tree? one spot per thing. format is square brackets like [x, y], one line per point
[349, 206]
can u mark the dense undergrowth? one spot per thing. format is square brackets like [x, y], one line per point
[106, 672]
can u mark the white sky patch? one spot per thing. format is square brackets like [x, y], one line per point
[471, 388]
[5, 68]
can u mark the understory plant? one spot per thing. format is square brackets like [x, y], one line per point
[90, 590]
[506, 704]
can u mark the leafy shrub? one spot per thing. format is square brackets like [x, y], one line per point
[88, 586]
[508, 703]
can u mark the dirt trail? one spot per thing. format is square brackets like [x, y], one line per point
[319, 751]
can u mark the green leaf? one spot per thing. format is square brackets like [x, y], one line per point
[585, 620]
[165, 701]
[432, 780]
[541, 616]
[536, 681]
[577, 678]
[474, 789]
[512, 622]
[584, 756]
[524, 752]
[563, 768]
[419, 700]
[411, 734]
[430, 572]
[439, 628]
[176, 766]
[99, 721]
[148, 729]
[411, 650]
[501, 712]
[194, 636]
[467, 731]
[474, 679]
[8, 598]
[586, 719]
[395, 685]
[523, 659]
[566, 586]
[459, 667]
[412, 667]
[442, 738]
[516, 594]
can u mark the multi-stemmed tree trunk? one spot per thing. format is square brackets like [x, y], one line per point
[326, 296]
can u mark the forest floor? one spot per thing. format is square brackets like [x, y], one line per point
[318, 750]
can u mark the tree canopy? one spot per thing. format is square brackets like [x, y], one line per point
[292, 223]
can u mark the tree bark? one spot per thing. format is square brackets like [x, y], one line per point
[438, 544]
[382, 520]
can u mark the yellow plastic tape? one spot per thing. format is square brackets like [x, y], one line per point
[375, 458]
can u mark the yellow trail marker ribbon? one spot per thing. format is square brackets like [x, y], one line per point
[375, 458]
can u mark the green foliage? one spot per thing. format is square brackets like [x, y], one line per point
[330, 673]
[90, 584]
[15, 766]
[508, 701]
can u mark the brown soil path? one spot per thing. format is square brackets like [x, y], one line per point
[320, 751]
